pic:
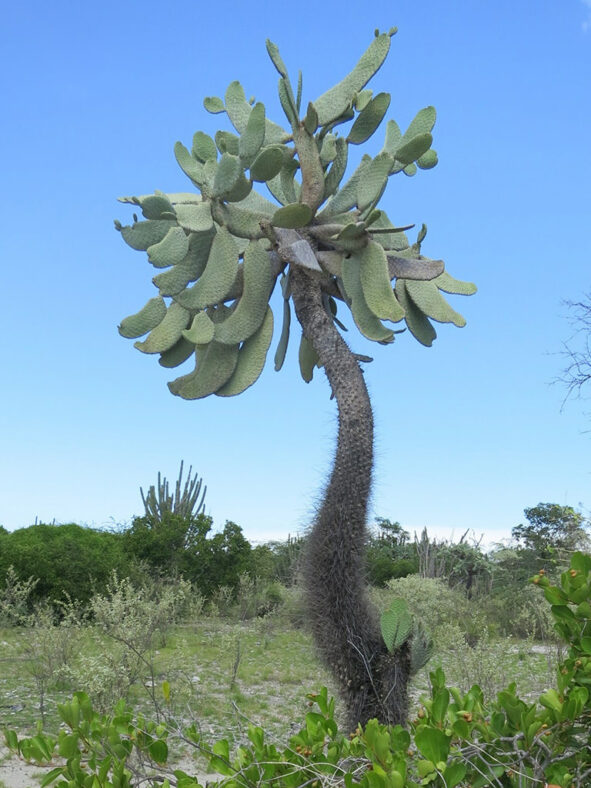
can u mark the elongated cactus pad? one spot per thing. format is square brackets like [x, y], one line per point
[396, 624]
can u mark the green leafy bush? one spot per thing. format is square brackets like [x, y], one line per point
[67, 560]
[437, 606]
[389, 553]
[186, 546]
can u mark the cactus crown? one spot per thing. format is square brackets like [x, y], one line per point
[221, 250]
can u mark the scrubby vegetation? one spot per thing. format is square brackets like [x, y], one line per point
[57, 565]
[170, 639]
[160, 673]
[178, 641]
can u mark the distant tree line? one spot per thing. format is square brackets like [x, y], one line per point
[77, 561]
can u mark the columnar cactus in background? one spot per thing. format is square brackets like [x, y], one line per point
[186, 504]
[220, 253]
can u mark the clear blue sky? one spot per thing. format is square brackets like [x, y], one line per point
[469, 432]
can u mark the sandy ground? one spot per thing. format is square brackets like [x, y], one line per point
[16, 773]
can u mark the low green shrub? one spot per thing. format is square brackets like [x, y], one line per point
[437, 606]
[136, 619]
[67, 560]
[51, 636]
[382, 568]
[293, 609]
[257, 597]
[520, 612]
[15, 598]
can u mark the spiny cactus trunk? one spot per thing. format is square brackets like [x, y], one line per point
[373, 682]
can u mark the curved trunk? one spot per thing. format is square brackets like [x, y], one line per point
[345, 624]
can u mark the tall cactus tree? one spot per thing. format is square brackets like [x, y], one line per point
[220, 252]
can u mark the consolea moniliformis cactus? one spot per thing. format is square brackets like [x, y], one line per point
[220, 250]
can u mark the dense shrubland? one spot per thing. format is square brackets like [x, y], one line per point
[90, 610]
[484, 591]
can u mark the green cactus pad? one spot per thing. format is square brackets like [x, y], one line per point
[429, 300]
[273, 52]
[421, 235]
[307, 358]
[396, 625]
[393, 137]
[145, 320]
[421, 648]
[448, 284]
[241, 223]
[204, 147]
[331, 262]
[409, 152]
[239, 110]
[369, 119]
[274, 185]
[365, 320]
[218, 276]
[418, 324]
[240, 190]
[227, 173]
[376, 284]
[170, 250]
[252, 306]
[251, 359]
[201, 331]
[371, 186]
[346, 197]
[155, 205]
[290, 188]
[227, 142]
[291, 216]
[192, 168]
[332, 104]
[258, 204]
[311, 119]
[141, 235]
[362, 99]
[333, 177]
[214, 104]
[173, 281]
[209, 171]
[422, 123]
[214, 367]
[284, 338]
[167, 332]
[428, 160]
[252, 139]
[267, 164]
[287, 102]
[352, 231]
[195, 217]
[177, 354]
[328, 151]
[237, 106]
